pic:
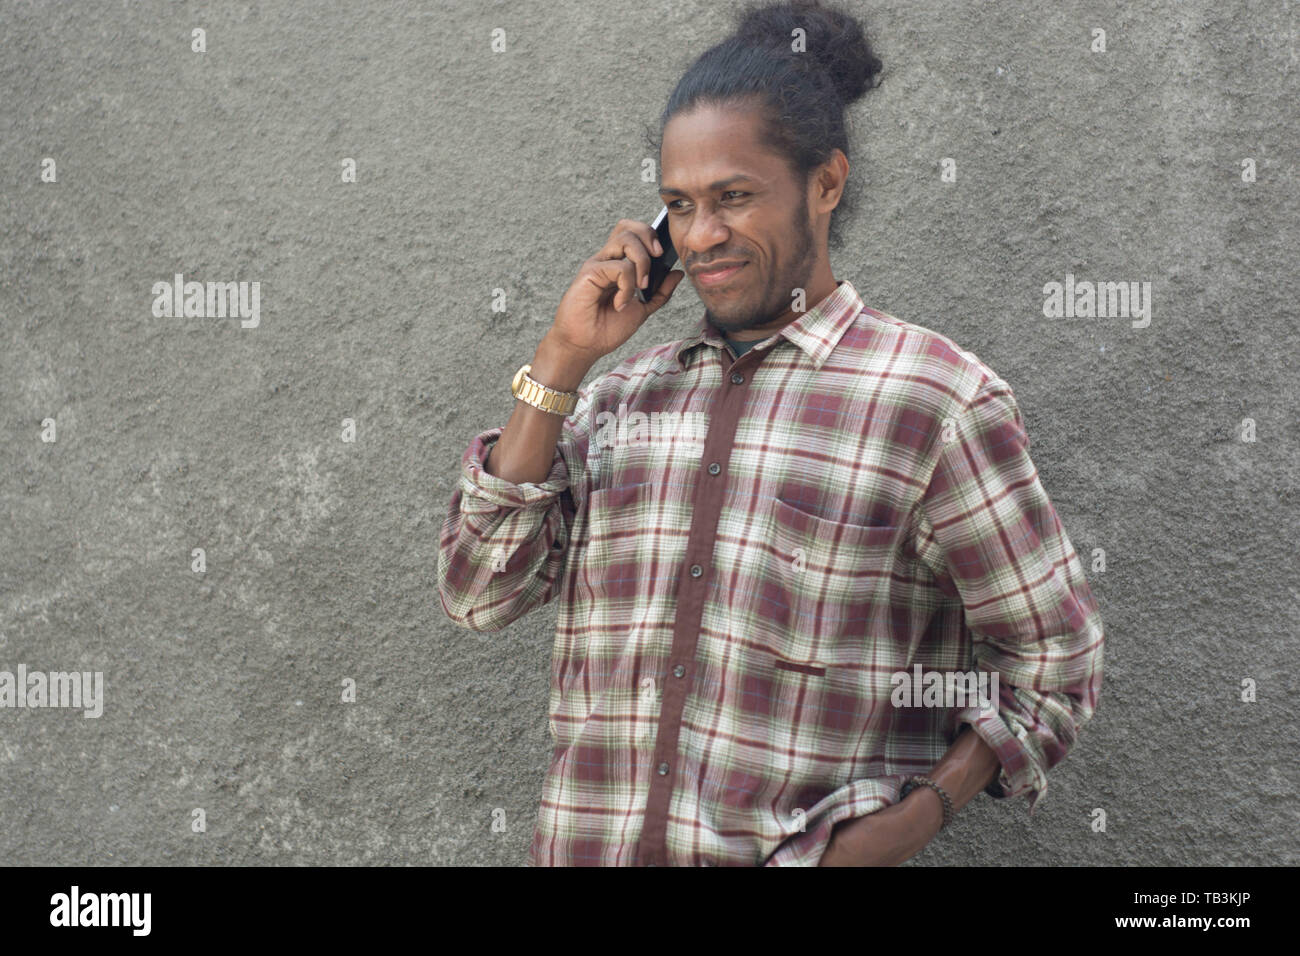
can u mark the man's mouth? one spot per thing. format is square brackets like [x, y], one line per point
[714, 276]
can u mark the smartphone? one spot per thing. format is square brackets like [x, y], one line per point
[660, 266]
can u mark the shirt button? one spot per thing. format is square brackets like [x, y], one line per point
[714, 468]
[696, 570]
[679, 670]
[663, 769]
[737, 378]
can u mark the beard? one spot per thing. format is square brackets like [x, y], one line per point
[761, 302]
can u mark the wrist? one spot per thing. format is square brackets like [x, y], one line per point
[558, 366]
[925, 808]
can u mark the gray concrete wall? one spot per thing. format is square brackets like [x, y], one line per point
[479, 171]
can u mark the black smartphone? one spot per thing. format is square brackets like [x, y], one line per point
[660, 266]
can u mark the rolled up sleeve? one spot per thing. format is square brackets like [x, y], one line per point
[502, 546]
[989, 534]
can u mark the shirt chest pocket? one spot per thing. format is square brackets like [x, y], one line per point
[616, 543]
[825, 585]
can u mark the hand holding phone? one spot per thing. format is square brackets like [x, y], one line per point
[606, 304]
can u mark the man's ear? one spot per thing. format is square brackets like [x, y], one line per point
[830, 179]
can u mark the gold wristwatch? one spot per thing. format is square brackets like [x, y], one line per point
[541, 396]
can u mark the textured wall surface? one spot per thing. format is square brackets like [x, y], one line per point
[479, 170]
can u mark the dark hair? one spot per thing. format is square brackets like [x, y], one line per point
[802, 96]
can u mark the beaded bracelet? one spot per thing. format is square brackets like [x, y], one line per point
[913, 782]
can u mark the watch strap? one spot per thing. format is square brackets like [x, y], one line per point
[548, 399]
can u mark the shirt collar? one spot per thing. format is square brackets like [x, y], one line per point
[817, 331]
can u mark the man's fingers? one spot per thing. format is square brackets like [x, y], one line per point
[634, 241]
[624, 262]
[635, 253]
[618, 238]
[664, 291]
[618, 274]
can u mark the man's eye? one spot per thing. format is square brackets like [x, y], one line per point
[729, 192]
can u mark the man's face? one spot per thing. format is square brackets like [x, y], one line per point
[731, 200]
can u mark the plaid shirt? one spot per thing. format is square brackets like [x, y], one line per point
[743, 552]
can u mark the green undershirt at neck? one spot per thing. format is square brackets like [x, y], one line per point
[739, 348]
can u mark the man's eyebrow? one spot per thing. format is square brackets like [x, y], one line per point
[713, 187]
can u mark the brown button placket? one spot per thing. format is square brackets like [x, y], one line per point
[692, 585]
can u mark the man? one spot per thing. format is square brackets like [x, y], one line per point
[751, 532]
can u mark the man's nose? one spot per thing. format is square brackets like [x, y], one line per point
[708, 230]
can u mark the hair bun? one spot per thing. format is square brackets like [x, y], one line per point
[833, 40]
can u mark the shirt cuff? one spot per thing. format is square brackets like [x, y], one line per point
[1018, 771]
[484, 491]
